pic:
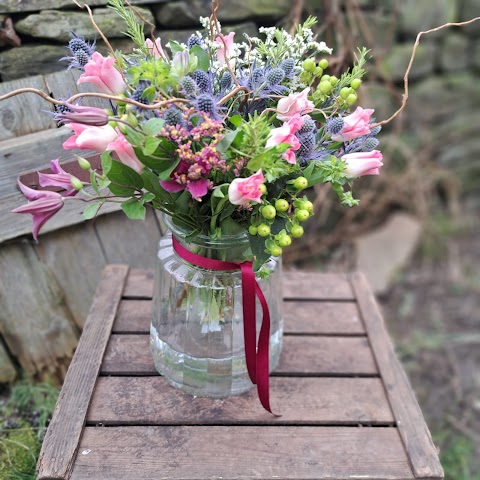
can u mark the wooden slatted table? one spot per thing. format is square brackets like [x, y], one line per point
[348, 411]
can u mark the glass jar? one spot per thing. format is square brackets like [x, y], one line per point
[196, 334]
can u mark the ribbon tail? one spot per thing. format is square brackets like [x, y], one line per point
[249, 319]
[263, 367]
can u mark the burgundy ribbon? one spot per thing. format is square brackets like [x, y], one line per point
[257, 359]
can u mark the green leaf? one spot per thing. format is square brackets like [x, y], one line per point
[309, 170]
[257, 244]
[134, 137]
[153, 126]
[226, 141]
[278, 225]
[125, 180]
[103, 182]
[93, 181]
[148, 197]
[175, 46]
[236, 120]
[134, 209]
[257, 162]
[202, 57]
[91, 210]
[151, 144]
[106, 159]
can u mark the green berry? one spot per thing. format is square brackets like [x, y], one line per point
[263, 188]
[325, 78]
[307, 205]
[302, 215]
[282, 205]
[351, 99]
[323, 63]
[300, 183]
[296, 231]
[356, 82]
[253, 230]
[276, 251]
[325, 87]
[344, 92]
[318, 71]
[309, 65]
[269, 212]
[263, 230]
[333, 80]
[285, 240]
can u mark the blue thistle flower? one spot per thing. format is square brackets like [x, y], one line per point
[207, 103]
[335, 125]
[173, 116]
[308, 140]
[258, 76]
[308, 126]
[370, 143]
[81, 50]
[202, 80]
[188, 85]
[287, 66]
[275, 76]
[137, 95]
[376, 130]
[194, 40]
[226, 82]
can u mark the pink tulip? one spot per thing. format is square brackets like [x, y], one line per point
[94, 116]
[90, 138]
[42, 204]
[155, 49]
[59, 178]
[245, 190]
[286, 134]
[359, 164]
[125, 152]
[229, 43]
[355, 125]
[100, 71]
[295, 103]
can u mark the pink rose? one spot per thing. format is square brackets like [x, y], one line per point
[101, 72]
[295, 103]
[355, 125]
[286, 134]
[363, 163]
[155, 49]
[125, 152]
[229, 43]
[245, 190]
[90, 138]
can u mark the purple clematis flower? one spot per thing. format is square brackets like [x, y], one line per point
[42, 204]
[59, 178]
[92, 116]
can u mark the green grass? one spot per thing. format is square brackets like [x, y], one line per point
[27, 410]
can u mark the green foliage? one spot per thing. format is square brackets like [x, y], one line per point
[125, 180]
[155, 71]
[357, 71]
[254, 134]
[134, 25]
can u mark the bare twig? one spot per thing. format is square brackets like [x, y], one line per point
[296, 14]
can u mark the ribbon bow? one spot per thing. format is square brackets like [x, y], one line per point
[257, 359]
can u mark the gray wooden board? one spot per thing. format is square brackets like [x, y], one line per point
[65, 429]
[413, 429]
[35, 322]
[76, 259]
[301, 401]
[301, 355]
[243, 452]
[23, 114]
[318, 317]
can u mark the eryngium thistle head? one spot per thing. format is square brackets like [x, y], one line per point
[173, 116]
[202, 80]
[287, 66]
[370, 143]
[81, 50]
[226, 81]
[194, 40]
[206, 103]
[188, 85]
[275, 76]
[335, 125]
[308, 141]
[376, 130]
[308, 126]
[257, 76]
[138, 93]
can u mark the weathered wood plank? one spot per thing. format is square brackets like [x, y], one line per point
[296, 286]
[76, 259]
[411, 424]
[24, 114]
[235, 453]
[7, 370]
[306, 401]
[128, 241]
[34, 320]
[65, 429]
[311, 356]
[331, 318]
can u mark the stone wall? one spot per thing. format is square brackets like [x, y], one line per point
[444, 102]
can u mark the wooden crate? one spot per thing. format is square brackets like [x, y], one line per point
[347, 408]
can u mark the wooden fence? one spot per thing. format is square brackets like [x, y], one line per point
[46, 286]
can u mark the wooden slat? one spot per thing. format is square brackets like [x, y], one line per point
[413, 429]
[296, 285]
[63, 434]
[317, 401]
[23, 114]
[130, 355]
[236, 453]
[339, 318]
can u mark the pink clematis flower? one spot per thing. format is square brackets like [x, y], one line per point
[295, 103]
[221, 52]
[355, 125]
[94, 116]
[125, 152]
[59, 178]
[359, 164]
[286, 134]
[100, 71]
[90, 138]
[245, 190]
[188, 177]
[155, 49]
[42, 204]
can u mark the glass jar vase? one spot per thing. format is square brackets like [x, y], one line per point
[197, 336]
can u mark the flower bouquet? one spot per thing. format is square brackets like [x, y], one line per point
[223, 137]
